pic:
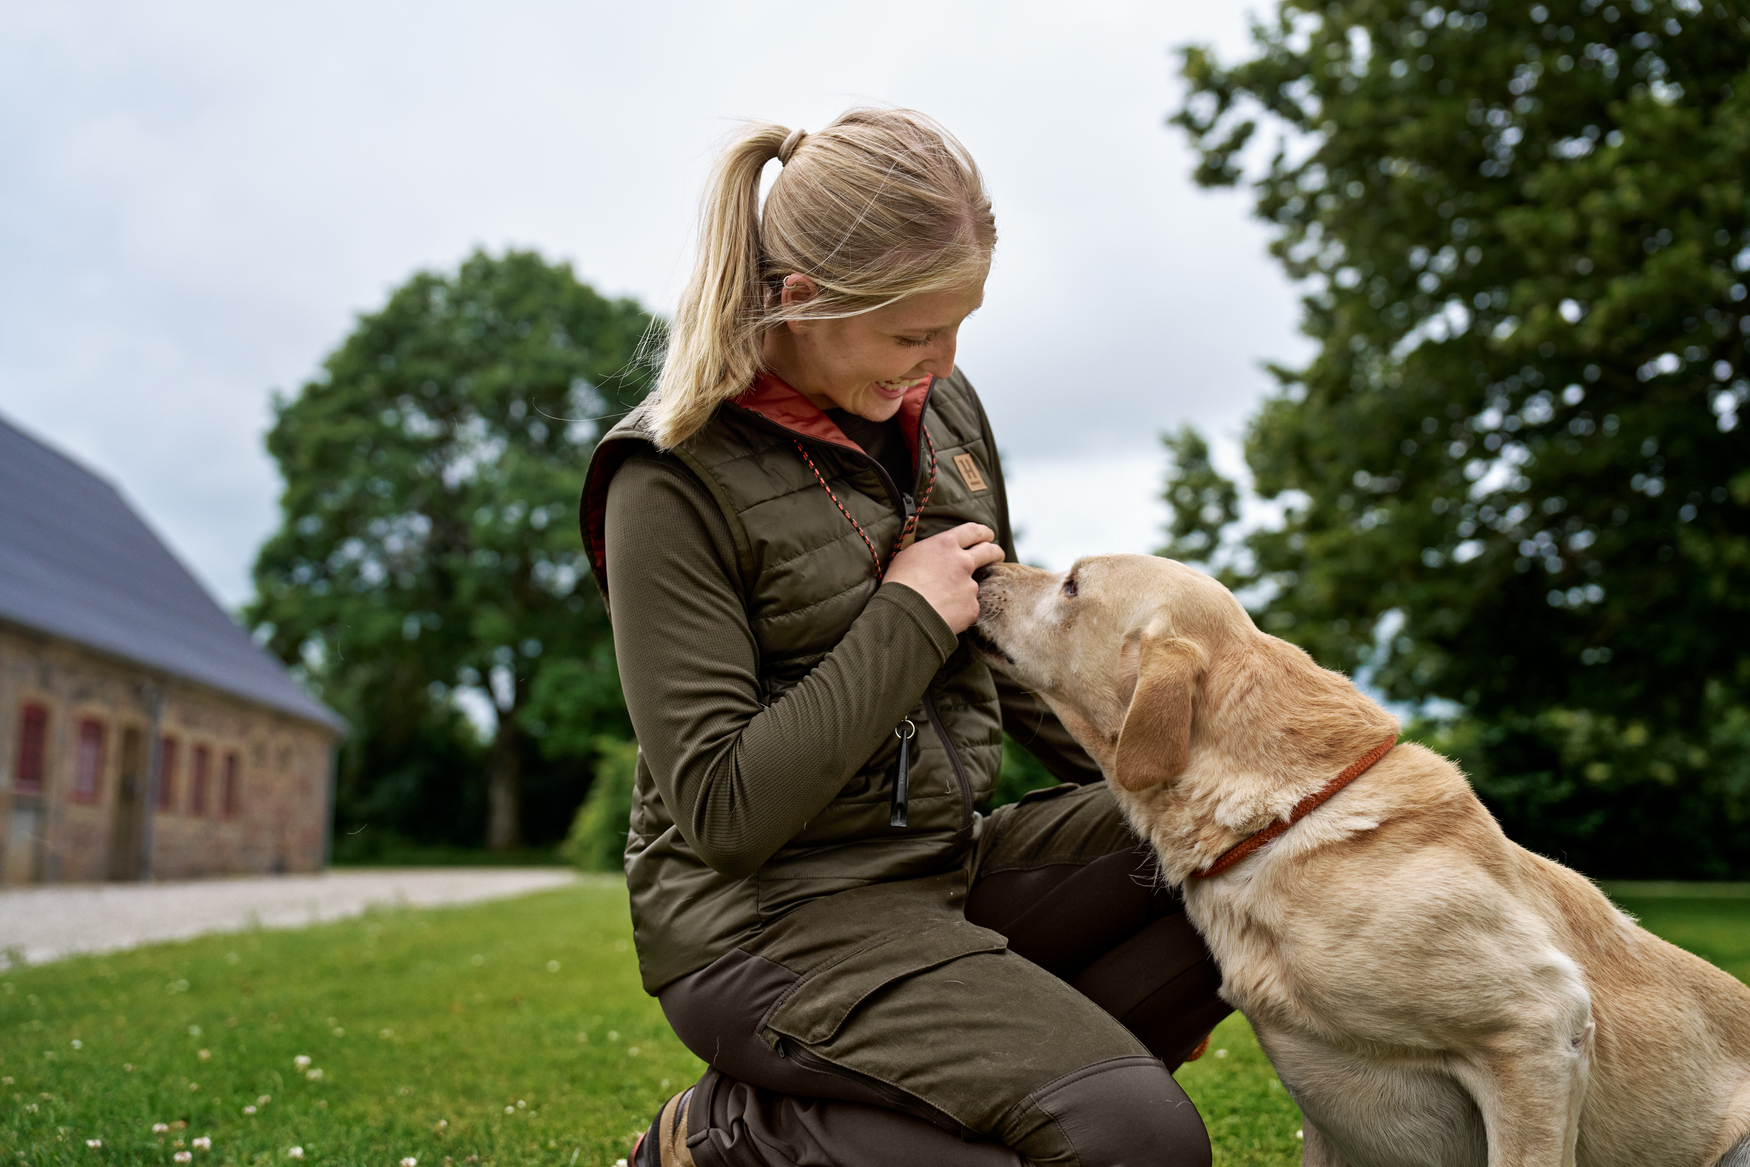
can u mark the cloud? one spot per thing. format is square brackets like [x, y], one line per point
[200, 197]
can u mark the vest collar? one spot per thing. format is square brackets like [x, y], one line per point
[773, 399]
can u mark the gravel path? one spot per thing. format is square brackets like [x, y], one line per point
[46, 923]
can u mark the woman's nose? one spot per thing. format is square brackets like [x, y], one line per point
[940, 362]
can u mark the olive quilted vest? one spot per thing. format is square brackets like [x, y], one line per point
[806, 574]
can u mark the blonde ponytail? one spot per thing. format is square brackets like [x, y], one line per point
[880, 205]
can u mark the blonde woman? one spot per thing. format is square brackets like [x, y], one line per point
[788, 532]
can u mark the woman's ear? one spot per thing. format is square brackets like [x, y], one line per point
[798, 289]
[1155, 744]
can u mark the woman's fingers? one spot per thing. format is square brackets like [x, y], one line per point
[985, 554]
[970, 534]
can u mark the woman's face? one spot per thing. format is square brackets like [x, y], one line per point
[864, 364]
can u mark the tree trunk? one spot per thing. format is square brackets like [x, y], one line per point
[504, 787]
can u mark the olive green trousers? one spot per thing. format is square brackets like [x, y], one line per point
[1025, 1007]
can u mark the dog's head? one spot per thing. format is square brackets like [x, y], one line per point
[1145, 659]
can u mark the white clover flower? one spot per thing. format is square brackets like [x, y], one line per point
[510, 1110]
[183, 1156]
[301, 1062]
[94, 1143]
[203, 1055]
[295, 1153]
[1221, 1053]
[410, 1161]
[314, 1075]
[204, 1143]
[194, 1031]
[249, 1110]
[77, 1044]
[264, 1100]
[159, 1128]
[552, 966]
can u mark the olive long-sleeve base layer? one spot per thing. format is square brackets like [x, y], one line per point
[740, 776]
[1025, 1009]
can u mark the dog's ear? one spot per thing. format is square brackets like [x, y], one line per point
[1155, 744]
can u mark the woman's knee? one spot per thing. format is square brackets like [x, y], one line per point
[1122, 1112]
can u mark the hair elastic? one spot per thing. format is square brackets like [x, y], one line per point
[790, 144]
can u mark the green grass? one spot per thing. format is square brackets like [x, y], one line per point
[427, 1054]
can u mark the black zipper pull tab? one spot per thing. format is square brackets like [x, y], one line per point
[902, 773]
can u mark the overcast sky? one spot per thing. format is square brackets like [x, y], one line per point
[198, 198]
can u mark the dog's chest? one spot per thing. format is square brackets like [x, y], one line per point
[1379, 1114]
[1376, 1112]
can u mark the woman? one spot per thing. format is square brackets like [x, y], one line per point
[788, 533]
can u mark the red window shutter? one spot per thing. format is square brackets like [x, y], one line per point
[197, 787]
[229, 794]
[166, 773]
[33, 733]
[88, 762]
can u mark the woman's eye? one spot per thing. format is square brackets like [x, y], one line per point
[1069, 586]
[914, 341]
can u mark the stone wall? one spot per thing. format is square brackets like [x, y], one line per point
[274, 821]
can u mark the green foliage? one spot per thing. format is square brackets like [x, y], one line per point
[1020, 774]
[428, 543]
[407, 1029]
[1203, 502]
[598, 834]
[1513, 476]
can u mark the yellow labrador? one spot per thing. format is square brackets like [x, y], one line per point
[1432, 994]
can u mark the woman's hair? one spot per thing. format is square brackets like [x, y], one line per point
[880, 205]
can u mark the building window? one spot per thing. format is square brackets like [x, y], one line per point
[166, 773]
[88, 761]
[197, 783]
[229, 792]
[33, 735]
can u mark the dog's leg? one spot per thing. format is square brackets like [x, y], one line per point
[1530, 1094]
[1315, 1152]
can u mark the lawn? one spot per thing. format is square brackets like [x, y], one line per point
[498, 1034]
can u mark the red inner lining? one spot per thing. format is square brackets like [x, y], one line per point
[772, 398]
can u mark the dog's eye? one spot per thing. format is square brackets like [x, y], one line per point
[1069, 585]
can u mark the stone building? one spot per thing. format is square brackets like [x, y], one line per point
[143, 734]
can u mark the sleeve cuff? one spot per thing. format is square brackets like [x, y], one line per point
[927, 619]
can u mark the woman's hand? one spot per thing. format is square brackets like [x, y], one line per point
[940, 570]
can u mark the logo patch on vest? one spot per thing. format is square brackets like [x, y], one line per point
[968, 467]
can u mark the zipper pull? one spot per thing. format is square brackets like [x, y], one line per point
[902, 773]
[910, 533]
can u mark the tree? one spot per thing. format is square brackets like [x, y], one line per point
[428, 541]
[1513, 475]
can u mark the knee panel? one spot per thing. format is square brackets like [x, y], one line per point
[1122, 1112]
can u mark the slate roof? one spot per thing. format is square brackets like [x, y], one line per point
[77, 562]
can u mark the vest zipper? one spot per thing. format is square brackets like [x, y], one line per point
[954, 760]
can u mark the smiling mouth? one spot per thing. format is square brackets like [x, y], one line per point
[899, 386]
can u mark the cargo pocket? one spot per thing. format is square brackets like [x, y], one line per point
[817, 1007]
[1048, 792]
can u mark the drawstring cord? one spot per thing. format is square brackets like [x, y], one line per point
[911, 523]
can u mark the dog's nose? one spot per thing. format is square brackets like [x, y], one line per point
[982, 574]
